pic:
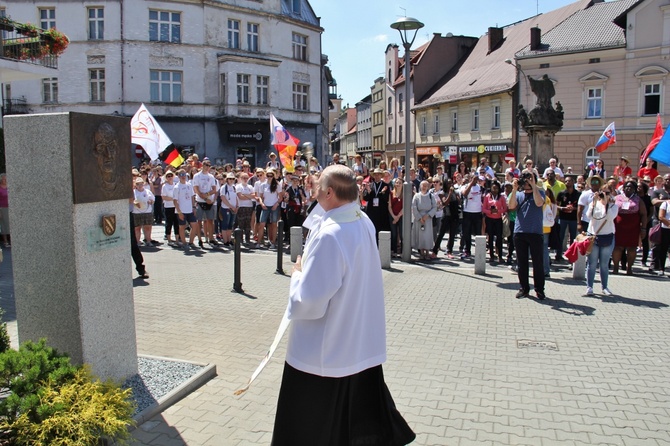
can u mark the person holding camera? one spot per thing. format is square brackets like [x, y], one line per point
[528, 233]
[602, 212]
[472, 211]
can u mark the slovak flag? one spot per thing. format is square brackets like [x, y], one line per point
[607, 139]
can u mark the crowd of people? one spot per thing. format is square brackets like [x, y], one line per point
[199, 201]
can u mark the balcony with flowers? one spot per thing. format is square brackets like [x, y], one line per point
[28, 43]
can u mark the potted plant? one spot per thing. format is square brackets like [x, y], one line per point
[55, 41]
[6, 24]
[27, 29]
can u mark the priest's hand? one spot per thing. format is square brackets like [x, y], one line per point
[298, 265]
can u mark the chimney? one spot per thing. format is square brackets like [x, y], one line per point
[535, 38]
[495, 38]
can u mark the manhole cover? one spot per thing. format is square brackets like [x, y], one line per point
[543, 345]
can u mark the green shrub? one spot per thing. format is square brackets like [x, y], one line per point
[25, 371]
[78, 413]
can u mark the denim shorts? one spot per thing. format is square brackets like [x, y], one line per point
[187, 218]
[270, 215]
[227, 219]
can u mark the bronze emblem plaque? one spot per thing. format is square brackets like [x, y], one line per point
[109, 224]
[101, 166]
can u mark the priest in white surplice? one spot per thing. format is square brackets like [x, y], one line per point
[333, 390]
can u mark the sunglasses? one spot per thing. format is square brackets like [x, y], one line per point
[270, 176]
[182, 174]
[169, 175]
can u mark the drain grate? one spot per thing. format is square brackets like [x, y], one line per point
[542, 345]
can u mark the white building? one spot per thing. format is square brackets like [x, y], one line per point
[210, 72]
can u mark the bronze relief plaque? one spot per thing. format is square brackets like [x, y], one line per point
[101, 158]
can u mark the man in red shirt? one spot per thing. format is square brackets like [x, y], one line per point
[622, 170]
[648, 170]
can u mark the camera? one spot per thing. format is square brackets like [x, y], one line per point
[525, 176]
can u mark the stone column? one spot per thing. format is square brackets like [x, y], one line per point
[72, 280]
[541, 139]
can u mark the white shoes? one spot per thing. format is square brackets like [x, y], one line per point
[606, 292]
[589, 291]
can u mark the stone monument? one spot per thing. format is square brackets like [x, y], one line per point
[70, 181]
[542, 122]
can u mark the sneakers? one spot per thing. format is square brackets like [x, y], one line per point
[272, 246]
[589, 291]
[540, 295]
[521, 293]
[200, 243]
[450, 256]
[606, 292]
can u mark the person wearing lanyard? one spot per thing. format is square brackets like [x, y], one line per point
[376, 194]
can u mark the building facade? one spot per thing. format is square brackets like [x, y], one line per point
[470, 113]
[616, 71]
[210, 72]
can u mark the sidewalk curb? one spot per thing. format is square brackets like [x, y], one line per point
[208, 372]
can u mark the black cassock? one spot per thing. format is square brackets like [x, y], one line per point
[377, 208]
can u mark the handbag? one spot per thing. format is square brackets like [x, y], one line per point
[205, 206]
[604, 240]
[655, 233]
[584, 236]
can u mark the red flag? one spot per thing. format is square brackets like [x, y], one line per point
[655, 138]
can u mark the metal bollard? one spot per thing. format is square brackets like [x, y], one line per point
[385, 248]
[280, 247]
[296, 242]
[237, 281]
[480, 254]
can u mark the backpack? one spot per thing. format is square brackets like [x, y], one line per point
[548, 217]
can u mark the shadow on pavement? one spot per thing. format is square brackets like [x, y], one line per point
[567, 307]
[634, 302]
[247, 295]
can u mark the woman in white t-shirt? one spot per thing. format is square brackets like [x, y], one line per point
[229, 205]
[246, 196]
[143, 212]
[271, 194]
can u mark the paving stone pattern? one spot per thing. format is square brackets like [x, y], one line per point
[468, 364]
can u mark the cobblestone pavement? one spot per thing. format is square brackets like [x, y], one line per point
[467, 362]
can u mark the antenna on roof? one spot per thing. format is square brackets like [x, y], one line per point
[537, 6]
[403, 10]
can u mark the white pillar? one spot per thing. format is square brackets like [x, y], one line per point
[296, 242]
[385, 248]
[579, 268]
[480, 254]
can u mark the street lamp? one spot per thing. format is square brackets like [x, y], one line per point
[407, 27]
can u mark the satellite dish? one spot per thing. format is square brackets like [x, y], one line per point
[449, 35]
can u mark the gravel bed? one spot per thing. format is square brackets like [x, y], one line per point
[156, 378]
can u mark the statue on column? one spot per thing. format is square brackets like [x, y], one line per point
[543, 113]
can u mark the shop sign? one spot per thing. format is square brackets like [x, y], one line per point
[244, 136]
[427, 150]
[483, 148]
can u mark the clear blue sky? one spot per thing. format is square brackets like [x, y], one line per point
[358, 31]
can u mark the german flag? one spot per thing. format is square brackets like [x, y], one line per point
[172, 157]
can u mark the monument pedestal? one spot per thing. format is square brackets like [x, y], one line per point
[541, 139]
[72, 281]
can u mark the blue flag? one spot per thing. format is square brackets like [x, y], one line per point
[662, 151]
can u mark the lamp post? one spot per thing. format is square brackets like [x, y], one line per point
[407, 27]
